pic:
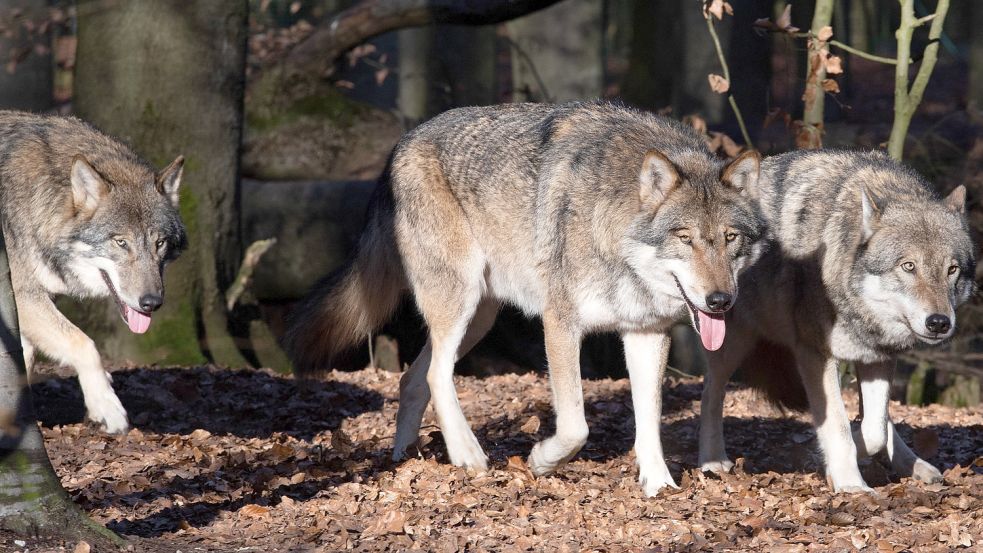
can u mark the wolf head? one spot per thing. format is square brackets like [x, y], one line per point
[916, 265]
[126, 229]
[698, 226]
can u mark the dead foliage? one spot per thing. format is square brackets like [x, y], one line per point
[223, 460]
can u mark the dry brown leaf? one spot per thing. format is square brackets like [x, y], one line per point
[842, 518]
[82, 547]
[718, 84]
[717, 8]
[253, 510]
[515, 463]
[831, 86]
[834, 65]
[825, 33]
[531, 426]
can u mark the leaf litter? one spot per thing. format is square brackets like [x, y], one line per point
[222, 460]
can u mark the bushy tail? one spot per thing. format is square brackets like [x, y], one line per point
[770, 369]
[342, 309]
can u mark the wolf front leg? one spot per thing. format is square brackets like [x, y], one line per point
[49, 331]
[877, 432]
[645, 355]
[822, 383]
[563, 358]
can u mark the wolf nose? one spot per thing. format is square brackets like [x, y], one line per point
[151, 302]
[719, 301]
[938, 323]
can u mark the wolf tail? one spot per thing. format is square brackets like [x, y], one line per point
[343, 308]
[770, 370]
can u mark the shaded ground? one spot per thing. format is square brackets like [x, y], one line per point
[225, 460]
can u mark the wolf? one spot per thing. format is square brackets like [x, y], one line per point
[83, 216]
[863, 261]
[591, 215]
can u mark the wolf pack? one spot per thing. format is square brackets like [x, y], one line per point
[595, 217]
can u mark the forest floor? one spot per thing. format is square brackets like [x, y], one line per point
[223, 460]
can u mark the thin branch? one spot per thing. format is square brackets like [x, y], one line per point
[726, 69]
[848, 48]
[862, 54]
[906, 100]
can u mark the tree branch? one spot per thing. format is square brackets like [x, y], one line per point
[726, 69]
[906, 101]
[370, 18]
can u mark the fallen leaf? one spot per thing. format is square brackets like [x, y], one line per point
[82, 547]
[825, 33]
[531, 426]
[255, 511]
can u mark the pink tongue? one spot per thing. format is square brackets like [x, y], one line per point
[712, 329]
[140, 322]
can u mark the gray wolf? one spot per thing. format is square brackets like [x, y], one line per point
[864, 261]
[591, 215]
[83, 216]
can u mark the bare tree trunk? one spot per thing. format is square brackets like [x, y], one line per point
[557, 53]
[169, 80]
[32, 501]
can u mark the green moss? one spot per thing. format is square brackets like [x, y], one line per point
[327, 104]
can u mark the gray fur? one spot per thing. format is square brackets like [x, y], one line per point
[571, 211]
[843, 226]
[82, 216]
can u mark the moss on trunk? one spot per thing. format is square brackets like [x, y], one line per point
[169, 80]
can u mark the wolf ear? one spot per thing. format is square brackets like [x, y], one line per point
[742, 173]
[956, 200]
[871, 212]
[169, 180]
[657, 177]
[88, 188]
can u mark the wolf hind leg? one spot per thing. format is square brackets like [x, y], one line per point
[905, 462]
[721, 365]
[563, 358]
[414, 393]
[47, 329]
[877, 433]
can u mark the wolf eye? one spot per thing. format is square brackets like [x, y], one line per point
[120, 242]
[908, 266]
[953, 270]
[730, 236]
[685, 237]
[160, 243]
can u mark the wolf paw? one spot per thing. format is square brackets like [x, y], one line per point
[107, 411]
[717, 467]
[655, 479]
[402, 443]
[467, 453]
[924, 472]
[853, 488]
